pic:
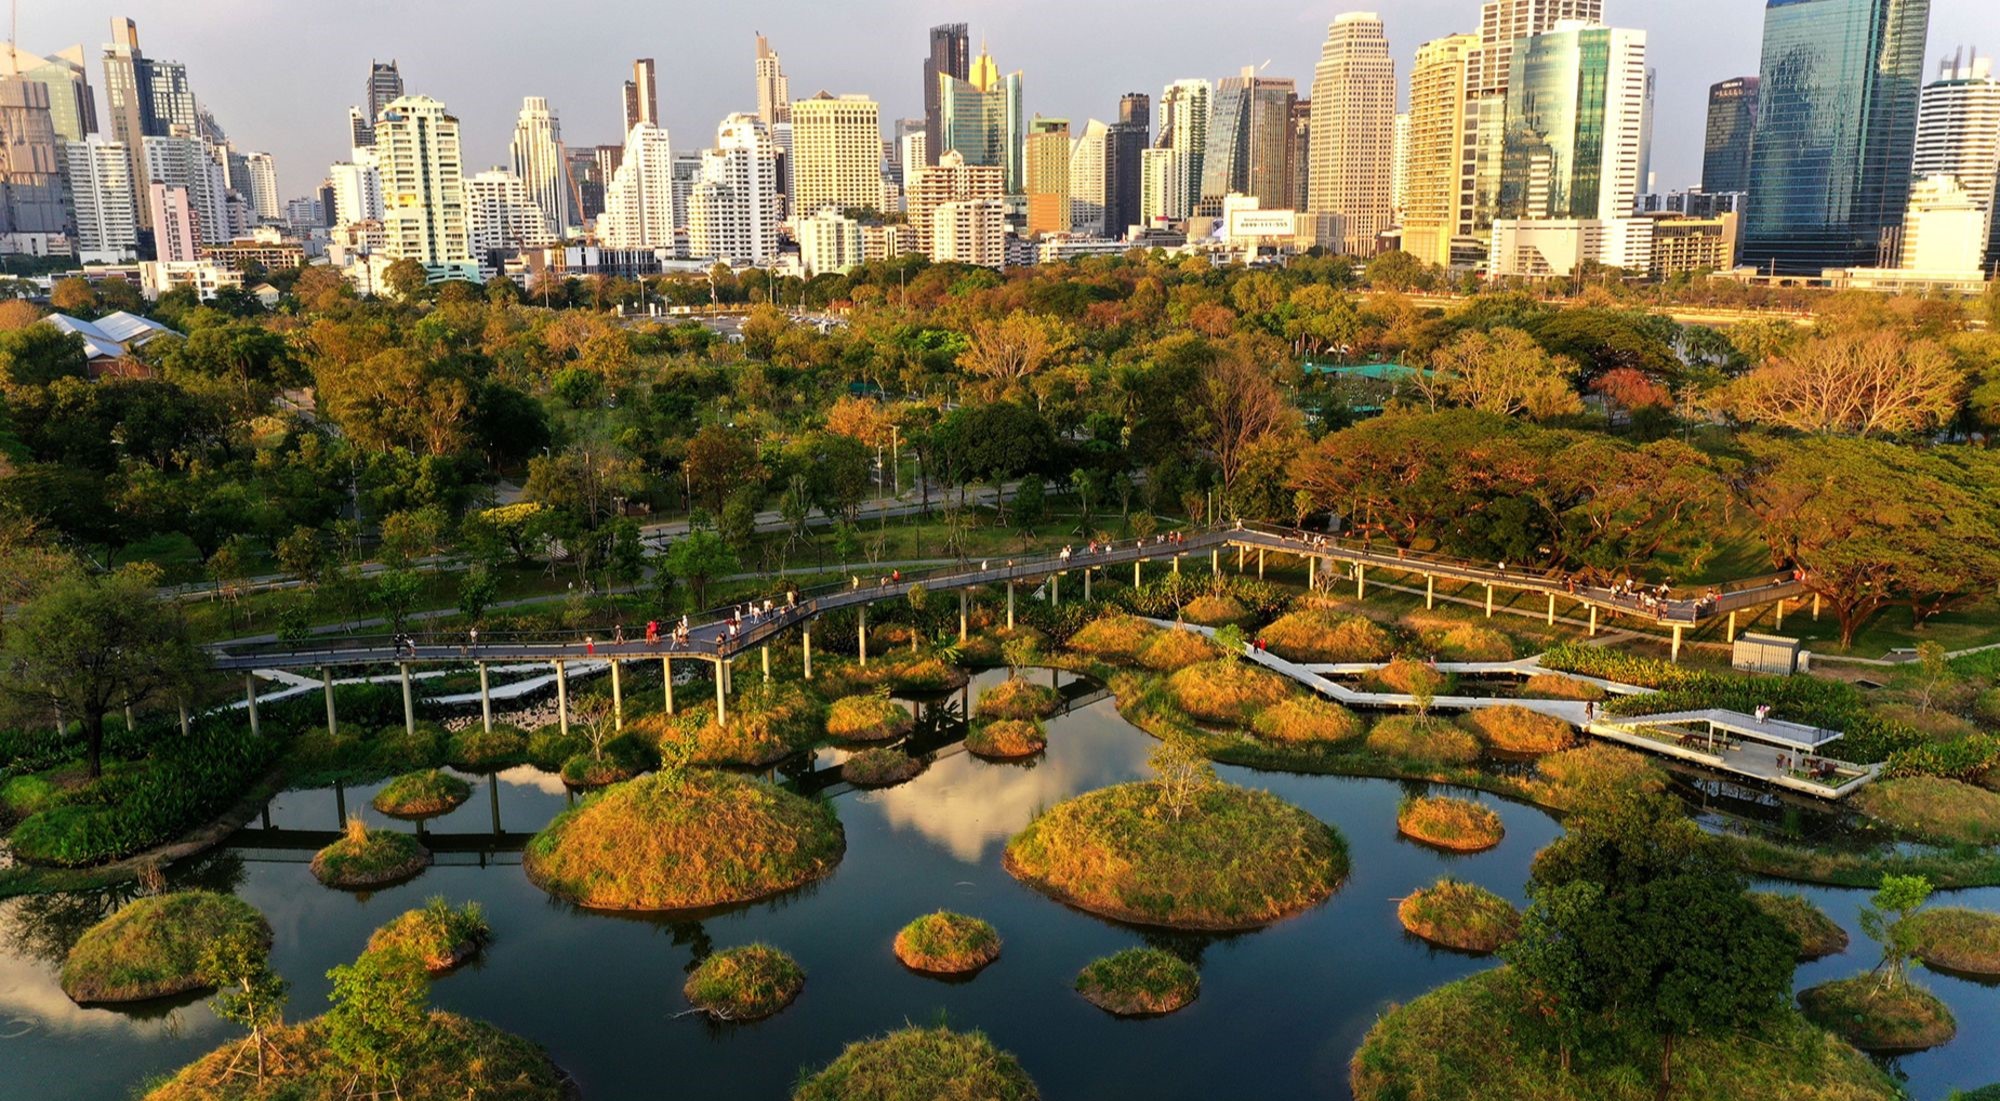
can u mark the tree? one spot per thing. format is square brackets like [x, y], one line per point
[1503, 371]
[406, 278]
[247, 991]
[476, 591]
[1398, 271]
[94, 643]
[1030, 503]
[698, 558]
[1013, 349]
[39, 355]
[301, 555]
[718, 461]
[396, 592]
[1886, 920]
[74, 295]
[380, 1018]
[1180, 773]
[1857, 383]
[1239, 405]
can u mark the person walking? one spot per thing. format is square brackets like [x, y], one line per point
[589, 646]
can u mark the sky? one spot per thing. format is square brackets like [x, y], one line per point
[280, 74]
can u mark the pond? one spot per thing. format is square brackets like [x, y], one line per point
[1280, 1013]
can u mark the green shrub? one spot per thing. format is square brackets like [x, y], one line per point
[476, 749]
[1139, 982]
[917, 1064]
[1425, 739]
[549, 748]
[744, 984]
[419, 794]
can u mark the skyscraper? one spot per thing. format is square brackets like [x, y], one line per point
[642, 95]
[357, 193]
[1502, 24]
[423, 187]
[1958, 135]
[950, 56]
[980, 118]
[1249, 141]
[1184, 110]
[1836, 127]
[32, 206]
[1124, 150]
[72, 105]
[1089, 156]
[1577, 107]
[1353, 131]
[500, 216]
[1047, 183]
[128, 101]
[541, 164]
[1732, 120]
[1136, 109]
[1162, 185]
[175, 110]
[261, 177]
[385, 86]
[836, 157]
[1399, 167]
[774, 93]
[733, 213]
[100, 185]
[1438, 191]
[950, 180]
[185, 163]
[177, 228]
[639, 200]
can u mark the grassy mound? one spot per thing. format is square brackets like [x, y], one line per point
[1423, 739]
[868, 719]
[897, 670]
[1927, 808]
[678, 841]
[1456, 824]
[1961, 941]
[549, 748]
[151, 947]
[877, 768]
[1211, 610]
[369, 858]
[1818, 934]
[1015, 698]
[1511, 729]
[1307, 720]
[459, 1058]
[1472, 642]
[1555, 686]
[585, 771]
[1460, 916]
[438, 935]
[476, 749]
[1007, 739]
[1139, 982]
[1171, 650]
[1860, 1011]
[1117, 638]
[767, 723]
[946, 943]
[421, 794]
[1593, 774]
[1234, 859]
[1230, 691]
[1475, 1040]
[1409, 677]
[921, 1064]
[744, 984]
[1320, 635]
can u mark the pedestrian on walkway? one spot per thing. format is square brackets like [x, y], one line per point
[652, 632]
[589, 646]
[1590, 711]
[618, 634]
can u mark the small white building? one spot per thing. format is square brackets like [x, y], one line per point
[830, 243]
[973, 232]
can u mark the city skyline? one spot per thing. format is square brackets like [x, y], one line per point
[444, 56]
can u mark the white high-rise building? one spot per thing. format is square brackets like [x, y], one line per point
[1353, 131]
[1958, 135]
[836, 154]
[830, 243]
[687, 173]
[423, 188]
[263, 181]
[1399, 168]
[177, 229]
[1088, 156]
[1502, 25]
[972, 232]
[100, 183]
[639, 209]
[541, 163]
[1163, 185]
[187, 163]
[500, 215]
[733, 213]
[950, 180]
[357, 191]
[1945, 228]
[774, 92]
[1184, 113]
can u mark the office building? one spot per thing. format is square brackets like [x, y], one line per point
[1136, 109]
[980, 118]
[1162, 186]
[34, 213]
[1124, 149]
[1686, 244]
[1089, 157]
[830, 243]
[1439, 193]
[836, 154]
[774, 93]
[587, 174]
[186, 163]
[1837, 101]
[1958, 134]
[1503, 24]
[642, 96]
[357, 192]
[541, 164]
[970, 232]
[101, 194]
[1945, 227]
[639, 210]
[72, 104]
[950, 180]
[1399, 168]
[128, 103]
[733, 212]
[1184, 110]
[261, 178]
[423, 188]
[1353, 132]
[1732, 122]
[1250, 142]
[687, 173]
[1048, 176]
[501, 216]
[175, 110]
[950, 56]
[385, 86]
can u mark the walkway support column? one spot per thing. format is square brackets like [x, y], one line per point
[182, 704]
[485, 701]
[1177, 564]
[766, 650]
[1593, 621]
[1135, 573]
[1430, 591]
[1086, 584]
[1260, 563]
[326, 683]
[1730, 635]
[1055, 590]
[562, 699]
[667, 681]
[1677, 643]
[617, 698]
[409, 705]
[250, 701]
[861, 631]
[1489, 602]
[1010, 605]
[1239, 559]
[1360, 581]
[721, 693]
[1312, 573]
[963, 614]
[1215, 561]
[1552, 609]
[806, 649]
[1781, 613]
[1815, 607]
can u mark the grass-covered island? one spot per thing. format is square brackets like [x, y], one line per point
[684, 839]
[880, 767]
[1007, 739]
[1015, 698]
[1819, 935]
[439, 935]
[1478, 1040]
[868, 719]
[1139, 982]
[365, 858]
[1958, 941]
[946, 943]
[152, 947]
[1459, 825]
[422, 794]
[1875, 1016]
[932, 1064]
[744, 984]
[1462, 916]
[1182, 851]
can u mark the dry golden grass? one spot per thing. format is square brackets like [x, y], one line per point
[1307, 720]
[1426, 739]
[945, 943]
[1211, 610]
[1317, 635]
[1461, 916]
[1472, 642]
[422, 794]
[1456, 824]
[1511, 729]
[1594, 774]
[365, 858]
[1116, 638]
[921, 1064]
[1408, 676]
[1958, 940]
[438, 935]
[1016, 698]
[1228, 691]
[678, 841]
[868, 719]
[744, 984]
[1171, 650]
[767, 723]
[1555, 686]
[1939, 811]
[1139, 982]
[879, 768]
[152, 947]
[1007, 739]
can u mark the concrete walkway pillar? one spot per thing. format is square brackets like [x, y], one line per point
[1239, 559]
[721, 694]
[1815, 607]
[1552, 609]
[1730, 634]
[806, 650]
[861, 631]
[667, 681]
[326, 685]
[1177, 564]
[1260, 563]
[250, 701]
[1010, 605]
[1781, 613]
[1430, 591]
[485, 700]
[1312, 573]
[1086, 584]
[409, 704]
[1677, 643]
[182, 704]
[1215, 561]
[1489, 602]
[1055, 590]
[766, 652]
[1135, 573]
[1593, 621]
[562, 699]
[1360, 581]
[964, 614]
[617, 699]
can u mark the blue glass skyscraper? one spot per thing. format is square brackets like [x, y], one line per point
[1836, 124]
